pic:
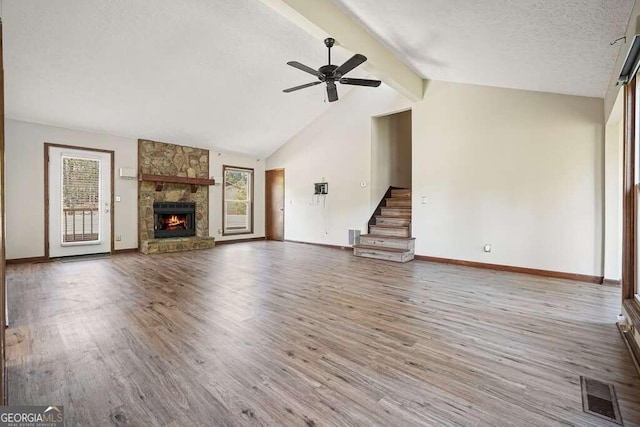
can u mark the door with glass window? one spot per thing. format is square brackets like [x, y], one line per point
[79, 201]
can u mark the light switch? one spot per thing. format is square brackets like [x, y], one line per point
[117, 198]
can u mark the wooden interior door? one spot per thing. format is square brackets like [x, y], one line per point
[274, 217]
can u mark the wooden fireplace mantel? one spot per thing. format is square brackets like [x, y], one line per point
[160, 180]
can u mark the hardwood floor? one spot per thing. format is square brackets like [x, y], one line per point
[290, 334]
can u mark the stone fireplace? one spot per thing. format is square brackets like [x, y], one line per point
[173, 197]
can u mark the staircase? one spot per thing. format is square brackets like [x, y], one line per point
[389, 236]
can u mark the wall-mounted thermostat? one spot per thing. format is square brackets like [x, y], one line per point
[321, 188]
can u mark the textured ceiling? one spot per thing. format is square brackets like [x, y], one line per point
[559, 46]
[195, 72]
[210, 72]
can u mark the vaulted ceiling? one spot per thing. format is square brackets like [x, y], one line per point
[194, 72]
[559, 46]
[210, 73]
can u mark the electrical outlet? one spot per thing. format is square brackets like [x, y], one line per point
[487, 248]
[219, 230]
[118, 238]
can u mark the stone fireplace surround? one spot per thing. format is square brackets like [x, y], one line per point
[171, 160]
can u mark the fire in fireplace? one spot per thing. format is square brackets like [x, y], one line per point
[174, 219]
[173, 222]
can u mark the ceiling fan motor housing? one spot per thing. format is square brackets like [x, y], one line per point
[328, 72]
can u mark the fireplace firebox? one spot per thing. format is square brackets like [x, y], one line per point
[174, 219]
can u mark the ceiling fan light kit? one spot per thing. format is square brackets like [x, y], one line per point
[330, 74]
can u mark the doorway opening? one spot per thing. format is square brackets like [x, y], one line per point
[391, 146]
[78, 201]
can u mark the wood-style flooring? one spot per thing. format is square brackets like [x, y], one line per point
[271, 333]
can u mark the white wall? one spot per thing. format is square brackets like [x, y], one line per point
[216, 161]
[520, 170]
[336, 147]
[24, 153]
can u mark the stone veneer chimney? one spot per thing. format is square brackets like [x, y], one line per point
[171, 160]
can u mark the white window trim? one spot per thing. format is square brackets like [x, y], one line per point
[250, 220]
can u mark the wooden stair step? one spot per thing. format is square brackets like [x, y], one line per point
[385, 242]
[378, 237]
[402, 221]
[400, 192]
[401, 208]
[382, 248]
[388, 211]
[390, 230]
[398, 202]
[387, 254]
[373, 235]
[404, 243]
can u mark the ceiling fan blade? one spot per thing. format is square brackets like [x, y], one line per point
[360, 82]
[291, 89]
[332, 92]
[351, 63]
[305, 68]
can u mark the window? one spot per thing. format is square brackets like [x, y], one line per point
[80, 200]
[237, 197]
[636, 183]
[636, 187]
[631, 191]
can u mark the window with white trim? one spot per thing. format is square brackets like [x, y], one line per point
[237, 197]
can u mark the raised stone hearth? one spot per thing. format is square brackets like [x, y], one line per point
[159, 158]
[176, 244]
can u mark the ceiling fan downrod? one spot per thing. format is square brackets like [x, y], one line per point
[329, 42]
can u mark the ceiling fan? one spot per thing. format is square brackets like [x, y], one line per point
[330, 74]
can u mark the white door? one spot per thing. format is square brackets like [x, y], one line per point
[79, 202]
